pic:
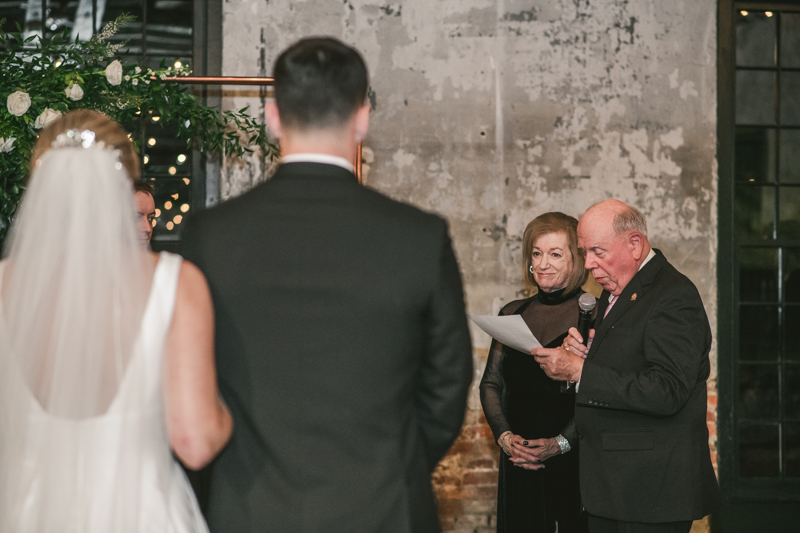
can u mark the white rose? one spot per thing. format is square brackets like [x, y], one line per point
[7, 145]
[74, 92]
[18, 103]
[127, 78]
[137, 70]
[114, 72]
[162, 76]
[47, 116]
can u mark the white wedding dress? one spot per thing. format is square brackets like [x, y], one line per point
[99, 474]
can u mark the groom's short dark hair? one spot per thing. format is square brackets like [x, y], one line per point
[320, 82]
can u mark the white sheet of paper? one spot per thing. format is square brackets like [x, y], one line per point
[511, 330]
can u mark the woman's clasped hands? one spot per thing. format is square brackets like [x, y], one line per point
[528, 453]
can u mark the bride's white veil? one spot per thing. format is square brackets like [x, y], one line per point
[74, 282]
[73, 295]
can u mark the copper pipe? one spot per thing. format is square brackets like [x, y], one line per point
[219, 80]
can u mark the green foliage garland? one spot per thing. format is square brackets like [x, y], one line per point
[43, 78]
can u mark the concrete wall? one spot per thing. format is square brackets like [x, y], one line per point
[491, 112]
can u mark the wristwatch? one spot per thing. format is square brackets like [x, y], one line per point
[563, 443]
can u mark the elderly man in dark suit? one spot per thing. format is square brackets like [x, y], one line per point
[342, 343]
[645, 464]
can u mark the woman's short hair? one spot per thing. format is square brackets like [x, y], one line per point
[104, 128]
[555, 222]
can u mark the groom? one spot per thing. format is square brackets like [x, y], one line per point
[342, 344]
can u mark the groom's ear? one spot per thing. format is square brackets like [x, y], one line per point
[273, 118]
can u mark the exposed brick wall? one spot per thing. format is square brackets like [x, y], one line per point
[466, 479]
[711, 421]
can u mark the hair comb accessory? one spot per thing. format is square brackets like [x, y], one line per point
[77, 139]
[81, 139]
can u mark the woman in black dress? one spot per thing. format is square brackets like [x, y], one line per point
[529, 414]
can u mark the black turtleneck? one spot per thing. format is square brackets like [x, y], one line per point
[556, 297]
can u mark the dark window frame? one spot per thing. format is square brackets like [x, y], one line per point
[736, 488]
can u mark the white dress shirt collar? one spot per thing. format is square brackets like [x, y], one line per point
[651, 255]
[325, 159]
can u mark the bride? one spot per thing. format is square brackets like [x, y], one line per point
[106, 352]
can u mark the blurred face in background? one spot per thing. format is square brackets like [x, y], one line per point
[145, 216]
[551, 261]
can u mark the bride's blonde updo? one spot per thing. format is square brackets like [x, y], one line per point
[105, 129]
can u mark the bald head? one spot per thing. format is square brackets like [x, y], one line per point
[614, 237]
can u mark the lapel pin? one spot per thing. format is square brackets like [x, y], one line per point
[633, 297]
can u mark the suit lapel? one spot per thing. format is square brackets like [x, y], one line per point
[628, 300]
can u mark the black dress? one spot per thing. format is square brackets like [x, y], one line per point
[517, 396]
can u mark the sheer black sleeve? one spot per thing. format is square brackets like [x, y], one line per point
[492, 385]
[492, 390]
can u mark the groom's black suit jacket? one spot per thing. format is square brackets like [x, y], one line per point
[641, 405]
[342, 350]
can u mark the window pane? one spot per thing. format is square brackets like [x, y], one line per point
[755, 97]
[32, 24]
[791, 449]
[755, 154]
[758, 391]
[169, 28]
[791, 348]
[790, 156]
[171, 195]
[171, 178]
[791, 391]
[758, 451]
[755, 40]
[790, 98]
[790, 39]
[758, 333]
[61, 15]
[758, 275]
[791, 274]
[754, 212]
[790, 213]
[14, 13]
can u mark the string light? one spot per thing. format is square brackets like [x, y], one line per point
[744, 13]
[170, 225]
[186, 181]
[178, 64]
[182, 158]
[155, 119]
[768, 14]
[167, 205]
[151, 141]
[184, 208]
[173, 170]
[146, 159]
[175, 196]
[178, 219]
[158, 212]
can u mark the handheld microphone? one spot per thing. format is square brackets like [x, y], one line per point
[586, 303]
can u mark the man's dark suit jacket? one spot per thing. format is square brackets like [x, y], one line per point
[343, 352]
[641, 405]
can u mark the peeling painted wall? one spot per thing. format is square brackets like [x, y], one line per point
[491, 112]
